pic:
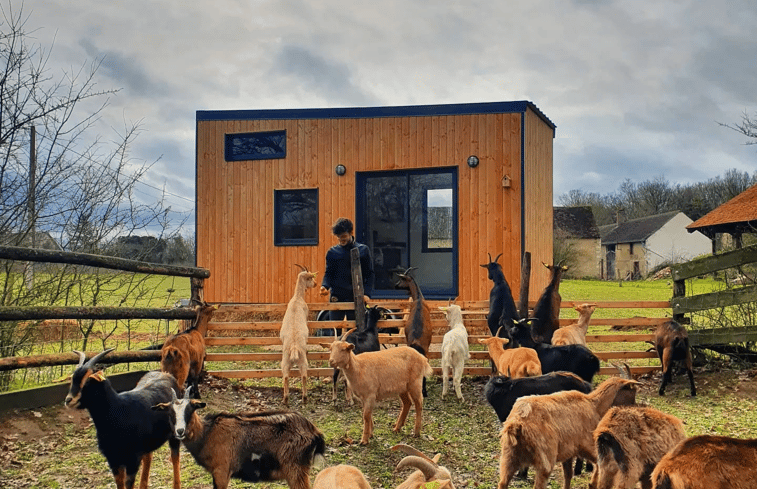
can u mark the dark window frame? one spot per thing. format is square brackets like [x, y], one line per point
[278, 213]
[251, 145]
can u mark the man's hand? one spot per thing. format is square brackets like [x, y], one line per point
[324, 290]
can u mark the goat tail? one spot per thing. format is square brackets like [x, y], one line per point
[608, 445]
[533, 369]
[296, 354]
[427, 370]
[510, 433]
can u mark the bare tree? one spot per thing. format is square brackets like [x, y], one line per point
[747, 127]
[81, 193]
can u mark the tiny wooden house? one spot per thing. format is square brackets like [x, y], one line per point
[435, 187]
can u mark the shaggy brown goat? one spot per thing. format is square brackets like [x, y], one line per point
[513, 362]
[672, 345]
[630, 440]
[183, 354]
[250, 446]
[544, 430]
[708, 462]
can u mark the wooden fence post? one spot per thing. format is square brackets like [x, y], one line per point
[357, 288]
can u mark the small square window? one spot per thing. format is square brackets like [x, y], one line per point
[295, 217]
[256, 146]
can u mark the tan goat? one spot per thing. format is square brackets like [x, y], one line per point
[542, 431]
[341, 477]
[294, 333]
[429, 473]
[630, 440]
[575, 334]
[376, 375]
[513, 362]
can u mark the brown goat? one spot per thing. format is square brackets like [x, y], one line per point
[544, 430]
[546, 312]
[513, 362]
[630, 440]
[672, 345]
[341, 477]
[418, 330]
[377, 375]
[183, 354]
[575, 334]
[708, 462]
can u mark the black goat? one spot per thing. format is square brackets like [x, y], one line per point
[250, 446]
[501, 391]
[570, 358]
[364, 340]
[128, 430]
[501, 302]
[547, 308]
[672, 345]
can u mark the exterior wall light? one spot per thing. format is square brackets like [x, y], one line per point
[473, 161]
[340, 169]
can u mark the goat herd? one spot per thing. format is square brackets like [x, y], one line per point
[543, 396]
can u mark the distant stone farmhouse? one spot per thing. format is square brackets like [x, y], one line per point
[577, 235]
[633, 248]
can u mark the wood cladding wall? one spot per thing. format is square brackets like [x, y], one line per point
[235, 199]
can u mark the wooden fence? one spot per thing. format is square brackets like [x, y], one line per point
[264, 335]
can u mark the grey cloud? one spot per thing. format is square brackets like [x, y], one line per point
[125, 70]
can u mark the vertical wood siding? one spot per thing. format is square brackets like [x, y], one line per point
[235, 199]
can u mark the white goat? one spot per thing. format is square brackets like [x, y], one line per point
[630, 440]
[575, 334]
[294, 333]
[378, 375]
[341, 477]
[454, 349]
[428, 475]
[544, 430]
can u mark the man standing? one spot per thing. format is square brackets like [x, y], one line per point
[337, 279]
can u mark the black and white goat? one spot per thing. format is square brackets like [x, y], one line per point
[250, 446]
[128, 430]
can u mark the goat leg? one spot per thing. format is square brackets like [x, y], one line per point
[405, 399]
[175, 446]
[567, 472]
[144, 478]
[691, 376]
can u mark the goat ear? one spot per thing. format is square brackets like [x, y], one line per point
[197, 404]
[326, 345]
[350, 347]
[163, 406]
[98, 376]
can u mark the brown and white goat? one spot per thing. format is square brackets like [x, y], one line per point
[294, 333]
[341, 477]
[546, 312]
[513, 362]
[376, 375]
[183, 354]
[708, 462]
[630, 440]
[544, 430]
[429, 473]
[672, 345]
[575, 334]
[250, 446]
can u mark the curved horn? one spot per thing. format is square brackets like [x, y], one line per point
[625, 371]
[344, 335]
[92, 361]
[498, 330]
[425, 465]
[498, 256]
[407, 449]
[186, 392]
[82, 357]
[490, 256]
[304, 269]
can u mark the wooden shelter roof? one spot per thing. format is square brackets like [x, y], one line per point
[738, 215]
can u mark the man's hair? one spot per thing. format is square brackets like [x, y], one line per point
[342, 225]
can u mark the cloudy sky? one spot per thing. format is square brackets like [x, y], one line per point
[636, 87]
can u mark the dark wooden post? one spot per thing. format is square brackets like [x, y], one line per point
[525, 279]
[679, 290]
[357, 288]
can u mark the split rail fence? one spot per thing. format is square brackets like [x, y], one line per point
[264, 335]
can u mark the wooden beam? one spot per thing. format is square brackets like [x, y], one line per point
[53, 312]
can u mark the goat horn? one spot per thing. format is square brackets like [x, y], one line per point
[304, 269]
[425, 465]
[490, 257]
[92, 361]
[498, 330]
[82, 357]
[407, 449]
[346, 333]
[496, 259]
[187, 392]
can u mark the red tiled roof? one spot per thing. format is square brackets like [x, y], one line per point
[740, 209]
